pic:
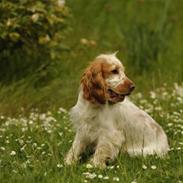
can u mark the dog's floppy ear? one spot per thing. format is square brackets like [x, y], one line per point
[93, 84]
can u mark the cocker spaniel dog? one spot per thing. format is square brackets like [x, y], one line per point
[107, 120]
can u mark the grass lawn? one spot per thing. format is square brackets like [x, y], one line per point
[148, 35]
[33, 148]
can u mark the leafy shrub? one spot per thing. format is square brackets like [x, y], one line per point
[31, 36]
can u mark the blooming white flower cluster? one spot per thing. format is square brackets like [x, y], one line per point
[93, 175]
[29, 137]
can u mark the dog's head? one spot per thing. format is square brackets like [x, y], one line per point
[105, 80]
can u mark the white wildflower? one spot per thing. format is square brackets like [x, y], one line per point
[61, 2]
[144, 167]
[106, 178]
[111, 167]
[14, 171]
[49, 131]
[60, 134]
[89, 166]
[62, 110]
[2, 117]
[21, 142]
[116, 179]
[89, 175]
[23, 147]
[35, 17]
[13, 153]
[84, 41]
[2, 148]
[152, 94]
[43, 153]
[30, 122]
[59, 165]
[42, 116]
[153, 167]
[34, 144]
[100, 176]
[170, 124]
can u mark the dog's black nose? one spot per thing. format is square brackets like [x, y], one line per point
[132, 87]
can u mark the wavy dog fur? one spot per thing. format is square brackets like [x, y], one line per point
[93, 83]
[107, 120]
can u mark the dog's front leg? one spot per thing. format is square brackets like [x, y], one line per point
[107, 149]
[75, 151]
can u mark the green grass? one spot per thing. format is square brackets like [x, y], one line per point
[32, 148]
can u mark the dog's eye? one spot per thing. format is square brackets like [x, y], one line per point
[115, 71]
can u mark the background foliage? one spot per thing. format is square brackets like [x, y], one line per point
[31, 35]
[43, 50]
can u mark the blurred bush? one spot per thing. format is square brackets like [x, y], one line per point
[146, 45]
[31, 36]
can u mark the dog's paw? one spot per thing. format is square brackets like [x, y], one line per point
[98, 163]
[69, 159]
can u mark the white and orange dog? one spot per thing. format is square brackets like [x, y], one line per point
[107, 120]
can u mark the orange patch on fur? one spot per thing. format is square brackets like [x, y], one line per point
[93, 83]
